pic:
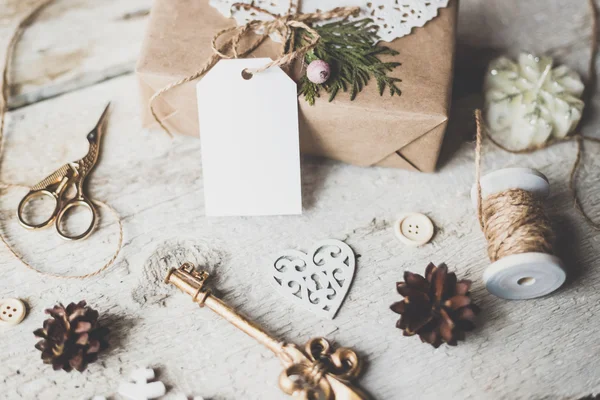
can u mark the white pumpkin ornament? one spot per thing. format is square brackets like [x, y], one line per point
[530, 102]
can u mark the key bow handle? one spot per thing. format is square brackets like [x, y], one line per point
[322, 373]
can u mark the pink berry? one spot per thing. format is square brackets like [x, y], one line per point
[318, 72]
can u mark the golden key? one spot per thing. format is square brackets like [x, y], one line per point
[315, 372]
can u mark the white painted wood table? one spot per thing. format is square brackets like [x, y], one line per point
[80, 54]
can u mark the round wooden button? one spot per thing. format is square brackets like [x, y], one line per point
[414, 229]
[12, 311]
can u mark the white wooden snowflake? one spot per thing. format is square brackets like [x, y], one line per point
[141, 388]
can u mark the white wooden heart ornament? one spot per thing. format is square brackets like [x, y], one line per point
[318, 280]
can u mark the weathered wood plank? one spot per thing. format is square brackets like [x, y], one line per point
[73, 44]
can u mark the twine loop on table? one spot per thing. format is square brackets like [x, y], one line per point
[25, 21]
[284, 26]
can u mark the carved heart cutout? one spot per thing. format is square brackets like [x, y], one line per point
[319, 280]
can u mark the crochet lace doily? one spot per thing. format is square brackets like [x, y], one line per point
[395, 18]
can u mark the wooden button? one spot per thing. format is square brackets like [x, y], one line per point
[414, 229]
[12, 311]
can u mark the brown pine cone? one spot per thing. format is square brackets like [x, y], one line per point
[72, 338]
[436, 307]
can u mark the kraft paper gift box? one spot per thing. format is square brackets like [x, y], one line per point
[404, 131]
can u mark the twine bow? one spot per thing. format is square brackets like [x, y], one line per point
[284, 26]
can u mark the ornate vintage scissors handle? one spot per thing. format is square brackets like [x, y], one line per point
[55, 186]
[315, 372]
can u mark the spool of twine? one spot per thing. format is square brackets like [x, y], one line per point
[519, 234]
[514, 222]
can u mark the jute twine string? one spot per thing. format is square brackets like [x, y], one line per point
[283, 26]
[579, 138]
[512, 221]
[22, 24]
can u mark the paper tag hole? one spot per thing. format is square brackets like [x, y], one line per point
[247, 75]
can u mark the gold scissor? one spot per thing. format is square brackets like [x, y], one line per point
[55, 186]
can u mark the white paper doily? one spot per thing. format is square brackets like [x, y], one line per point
[395, 18]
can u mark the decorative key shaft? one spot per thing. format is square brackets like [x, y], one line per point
[315, 372]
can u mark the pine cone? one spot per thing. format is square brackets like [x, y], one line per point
[72, 338]
[435, 307]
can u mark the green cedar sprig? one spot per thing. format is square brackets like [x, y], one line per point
[353, 58]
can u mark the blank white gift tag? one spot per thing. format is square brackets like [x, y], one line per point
[249, 137]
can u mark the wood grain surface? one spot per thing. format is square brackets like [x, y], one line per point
[80, 54]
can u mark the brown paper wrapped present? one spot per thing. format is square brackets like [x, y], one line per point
[401, 131]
